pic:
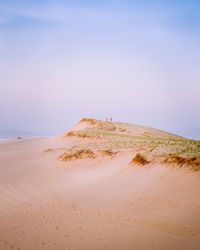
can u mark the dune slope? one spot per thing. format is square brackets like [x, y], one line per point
[100, 186]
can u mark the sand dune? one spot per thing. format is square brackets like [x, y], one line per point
[48, 201]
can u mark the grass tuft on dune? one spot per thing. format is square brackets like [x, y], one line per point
[77, 154]
[139, 160]
[191, 162]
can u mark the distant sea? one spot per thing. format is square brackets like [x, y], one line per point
[14, 134]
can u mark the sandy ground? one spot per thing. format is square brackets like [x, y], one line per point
[93, 204]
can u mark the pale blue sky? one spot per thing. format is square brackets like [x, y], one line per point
[137, 61]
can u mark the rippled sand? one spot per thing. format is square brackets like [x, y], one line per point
[93, 204]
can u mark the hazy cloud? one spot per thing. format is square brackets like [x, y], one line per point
[133, 63]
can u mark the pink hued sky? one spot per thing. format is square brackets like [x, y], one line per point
[64, 60]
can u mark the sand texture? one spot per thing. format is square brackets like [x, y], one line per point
[100, 186]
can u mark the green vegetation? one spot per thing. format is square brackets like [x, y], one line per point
[154, 144]
[121, 136]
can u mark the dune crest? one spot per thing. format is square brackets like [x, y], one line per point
[155, 145]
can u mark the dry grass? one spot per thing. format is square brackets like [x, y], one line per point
[70, 133]
[106, 126]
[90, 121]
[192, 162]
[139, 160]
[77, 155]
[107, 152]
[77, 134]
[48, 150]
[122, 130]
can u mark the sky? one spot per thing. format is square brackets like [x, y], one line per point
[134, 61]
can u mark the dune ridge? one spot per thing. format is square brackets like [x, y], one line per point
[155, 145]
